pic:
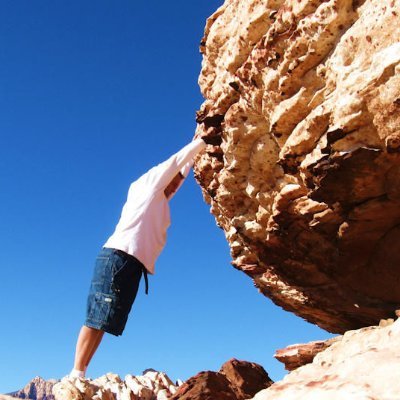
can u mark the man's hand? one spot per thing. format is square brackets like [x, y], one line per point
[200, 135]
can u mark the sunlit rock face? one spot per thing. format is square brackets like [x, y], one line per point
[151, 385]
[302, 107]
[362, 364]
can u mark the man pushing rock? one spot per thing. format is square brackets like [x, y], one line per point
[131, 251]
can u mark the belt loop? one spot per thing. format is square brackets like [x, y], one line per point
[146, 279]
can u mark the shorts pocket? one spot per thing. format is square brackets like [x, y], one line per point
[101, 307]
[119, 262]
[118, 268]
[102, 265]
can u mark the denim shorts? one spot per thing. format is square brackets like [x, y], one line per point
[113, 290]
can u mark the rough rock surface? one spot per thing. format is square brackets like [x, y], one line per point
[36, 389]
[297, 355]
[152, 385]
[247, 378]
[362, 365]
[206, 385]
[302, 111]
[236, 380]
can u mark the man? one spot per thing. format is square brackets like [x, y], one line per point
[132, 249]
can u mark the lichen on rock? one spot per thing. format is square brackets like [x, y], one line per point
[302, 113]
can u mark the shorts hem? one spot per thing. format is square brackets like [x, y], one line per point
[103, 327]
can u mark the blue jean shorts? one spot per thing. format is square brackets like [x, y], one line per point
[113, 290]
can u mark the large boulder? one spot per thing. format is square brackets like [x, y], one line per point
[206, 385]
[247, 378]
[236, 380]
[302, 170]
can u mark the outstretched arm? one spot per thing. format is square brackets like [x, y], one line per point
[162, 174]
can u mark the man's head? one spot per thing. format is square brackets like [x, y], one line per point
[173, 185]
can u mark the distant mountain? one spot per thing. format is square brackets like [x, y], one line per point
[36, 389]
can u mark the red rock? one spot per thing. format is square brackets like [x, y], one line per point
[297, 355]
[207, 385]
[236, 379]
[247, 378]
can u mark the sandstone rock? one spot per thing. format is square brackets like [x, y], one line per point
[68, 391]
[179, 382]
[36, 389]
[6, 397]
[137, 388]
[152, 385]
[360, 365]
[245, 377]
[163, 395]
[302, 172]
[236, 379]
[297, 355]
[207, 385]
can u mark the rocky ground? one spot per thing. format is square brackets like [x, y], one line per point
[362, 364]
[236, 380]
[151, 385]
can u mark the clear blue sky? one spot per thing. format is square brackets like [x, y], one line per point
[92, 94]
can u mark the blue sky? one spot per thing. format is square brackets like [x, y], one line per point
[92, 94]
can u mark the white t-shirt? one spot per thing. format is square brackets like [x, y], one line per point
[142, 228]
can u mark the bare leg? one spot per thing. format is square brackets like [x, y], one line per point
[87, 344]
[94, 348]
